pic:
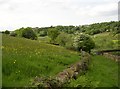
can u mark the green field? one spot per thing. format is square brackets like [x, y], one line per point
[103, 72]
[23, 59]
[106, 41]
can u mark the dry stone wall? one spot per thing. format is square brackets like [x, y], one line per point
[113, 57]
[63, 77]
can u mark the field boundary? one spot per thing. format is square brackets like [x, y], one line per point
[111, 56]
[107, 53]
[72, 72]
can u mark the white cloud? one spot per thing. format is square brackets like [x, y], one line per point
[23, 13]
[101, 10]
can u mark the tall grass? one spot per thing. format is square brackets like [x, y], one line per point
[24, 59]
[103, 72]
[106, 41]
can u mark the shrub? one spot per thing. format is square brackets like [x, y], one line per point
[69, 43]
[7, 32]
[83, 42]
[29, 33]
[19, 32]
[53, 33]
[13, 34]
[62, 39]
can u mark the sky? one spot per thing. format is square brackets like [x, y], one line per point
[15, 14]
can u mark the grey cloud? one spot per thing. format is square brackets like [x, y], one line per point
[4, 1]
[109, 13]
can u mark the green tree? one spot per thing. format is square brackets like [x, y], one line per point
[53, 33]
[29, 33]
[7, 32]
[19, 31]
[62, 39]
[83, 42]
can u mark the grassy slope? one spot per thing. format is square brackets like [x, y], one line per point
[24, 59]
[103, 72]
[105, 41]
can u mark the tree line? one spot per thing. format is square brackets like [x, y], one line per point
[71, 37]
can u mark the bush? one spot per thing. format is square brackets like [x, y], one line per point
[69, 43]
[62, 39]
[83, 42]
[65, 40]
[13, 34]
[7, 32]
[53, 33]
[29, 33]
[19, 32]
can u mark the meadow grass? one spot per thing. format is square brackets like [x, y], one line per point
[23, 59]
[44, 39]
[106, 41]
[102, 72]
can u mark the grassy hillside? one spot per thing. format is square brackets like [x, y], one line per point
[24, 59]
[106, 41]
[103, 72]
